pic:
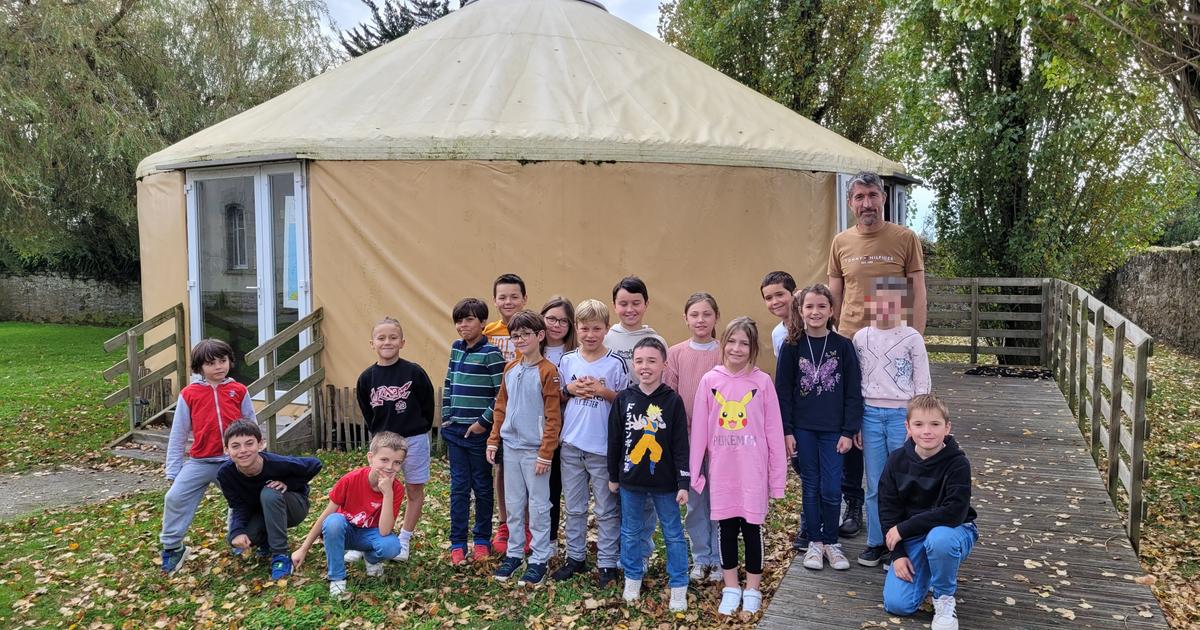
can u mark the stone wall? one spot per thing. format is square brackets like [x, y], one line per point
[1160, 291]
[45, 297]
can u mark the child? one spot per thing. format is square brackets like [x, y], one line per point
[267, 493]
[738, 428]
[593, 375]
[925, 507]
[508, 294]
[687, 363]
[208, 405]
[777, 290]
[820, 398]
[895, 368]
[527, 419]
[630, 299]
[397, 396]
[472, 382]
[648, 460]
[559, 315]
[356, 518]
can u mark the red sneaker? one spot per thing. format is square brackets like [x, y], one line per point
[481, 553]
[500, 540]
[458, 556]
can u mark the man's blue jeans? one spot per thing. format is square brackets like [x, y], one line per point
[340, 535]
[634, 536]
[883, 431]
[469, 473]
[935, 559]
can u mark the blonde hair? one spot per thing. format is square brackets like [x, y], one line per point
[746, 325]
[795, 319]
[591, 311]
[388, 439]
[927, 402]
[388, 320]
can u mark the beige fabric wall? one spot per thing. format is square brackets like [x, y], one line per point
[408, 239]
[162, 237]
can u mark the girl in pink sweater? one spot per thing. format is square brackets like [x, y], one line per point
[687, 363]
[737, 426]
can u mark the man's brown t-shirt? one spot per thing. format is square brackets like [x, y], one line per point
[859, 258]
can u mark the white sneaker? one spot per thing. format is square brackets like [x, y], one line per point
[814, 558]
[678, 598]
[633, 589]
[697, 572]
[716, 573]
[751, 600]
[337, 590]
[837, 557]
[944, 617]
[352, 556]
[374, 570]
[405, 550]
[731, 598]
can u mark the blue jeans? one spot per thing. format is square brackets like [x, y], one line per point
[469, 472]
[340, 535]
[935, 559]
[821, 479]
[634, 536]
[883, 431]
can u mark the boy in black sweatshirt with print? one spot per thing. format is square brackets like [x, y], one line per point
[648, 459]
[926, 514]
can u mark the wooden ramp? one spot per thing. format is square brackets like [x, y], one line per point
[1051, 553]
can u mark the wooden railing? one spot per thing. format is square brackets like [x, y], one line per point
[987, 312]
[1101, 362]
[273, 372]
[137, 355]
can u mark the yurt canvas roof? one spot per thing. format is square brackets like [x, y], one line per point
[524, 80]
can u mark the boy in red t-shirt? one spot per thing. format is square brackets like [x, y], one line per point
[355, 518]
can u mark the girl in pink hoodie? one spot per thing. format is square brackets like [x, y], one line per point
[736, 423]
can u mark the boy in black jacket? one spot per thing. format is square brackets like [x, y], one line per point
[925, 510]
[267, 493]
[648, 459]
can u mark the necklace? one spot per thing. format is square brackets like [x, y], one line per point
[817, 362]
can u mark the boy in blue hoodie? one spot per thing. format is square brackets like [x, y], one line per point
[925, 510]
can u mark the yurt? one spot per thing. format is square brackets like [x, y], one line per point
[546, 138]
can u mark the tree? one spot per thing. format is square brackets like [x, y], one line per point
[392, 22]
[816, 57]
[90, 88]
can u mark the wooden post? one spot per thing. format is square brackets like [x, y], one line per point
[1097, 381]
[1081, 363]
[318, 415]
[1073, 313]
[1047, 301]
[974, 321]
[1141, 432]
[181, 350]
[135, 375]
[1116, 389]
[1064, 303]
[269, 395]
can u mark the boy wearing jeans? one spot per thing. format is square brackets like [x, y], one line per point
[925, 508]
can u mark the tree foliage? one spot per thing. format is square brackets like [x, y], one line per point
[817, 57]
[90, 88]
[390, 22]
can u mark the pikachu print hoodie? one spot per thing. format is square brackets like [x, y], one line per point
[736, 424]
[648, 440]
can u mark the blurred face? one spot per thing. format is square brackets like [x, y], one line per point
[385, 460]
[866, 202]
[815, 310]
[527, 342]
[557, 325]
[591, 334]
[387, 340]
[216, 370]
[928, 429]
[648, 364]
[778, 299]
[631, 308]
[243, 450]
[886, 306]
[701, 319]
[509, 300]
[470, 329]
[737, 351]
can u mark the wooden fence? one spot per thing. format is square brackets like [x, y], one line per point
[273, 372]
[988, 313]
[148, 389]
[344, 427]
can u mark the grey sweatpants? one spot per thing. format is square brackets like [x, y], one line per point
[581, 470]
[184, 496]
[525, 490]
[280, 510]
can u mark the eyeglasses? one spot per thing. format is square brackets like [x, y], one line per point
[554, 321]
[521, 336]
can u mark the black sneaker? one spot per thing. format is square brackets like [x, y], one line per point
[507, 568]
[569, 569]
[852, 519]
[801, 542]
[872, 556]
[608, 575]
[535, 574]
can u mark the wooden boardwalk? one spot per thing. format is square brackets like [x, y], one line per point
[1051, 553]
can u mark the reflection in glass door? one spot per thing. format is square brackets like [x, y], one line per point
[285, 265]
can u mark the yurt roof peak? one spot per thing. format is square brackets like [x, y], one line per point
[524, 80]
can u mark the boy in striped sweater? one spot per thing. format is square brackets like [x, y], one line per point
[472, 382]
